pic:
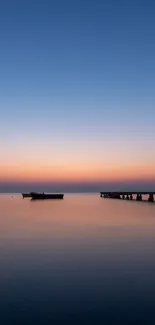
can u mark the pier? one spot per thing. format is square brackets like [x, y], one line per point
[128, 195]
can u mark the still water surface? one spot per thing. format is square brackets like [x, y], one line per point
[82, 260]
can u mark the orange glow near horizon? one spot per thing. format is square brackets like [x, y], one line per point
[75, 172]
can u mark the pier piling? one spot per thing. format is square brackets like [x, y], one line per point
[151, 198]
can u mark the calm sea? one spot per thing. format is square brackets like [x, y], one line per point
[83, 260]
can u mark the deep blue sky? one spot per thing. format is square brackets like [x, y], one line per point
[77, 80]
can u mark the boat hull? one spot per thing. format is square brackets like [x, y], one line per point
[40, 196]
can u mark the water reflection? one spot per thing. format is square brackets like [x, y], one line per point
[83, 260]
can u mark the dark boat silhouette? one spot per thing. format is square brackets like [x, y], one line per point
[46, 196]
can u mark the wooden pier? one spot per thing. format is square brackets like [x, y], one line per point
[128, 195]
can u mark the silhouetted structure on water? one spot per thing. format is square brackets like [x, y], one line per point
[128, 195]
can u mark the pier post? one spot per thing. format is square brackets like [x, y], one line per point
[127, 197]
[151, 198]
[131, 197]
[139, 197]
[123, 196]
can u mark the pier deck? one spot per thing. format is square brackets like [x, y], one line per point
[128, 195]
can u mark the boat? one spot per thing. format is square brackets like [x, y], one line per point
[46, 196]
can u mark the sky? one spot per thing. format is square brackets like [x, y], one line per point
[77, 93]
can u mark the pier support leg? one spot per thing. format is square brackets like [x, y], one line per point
[117, 196]
[139, 197]
[151, 198]
[131, 197]
[127, 197]
[123, 196]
